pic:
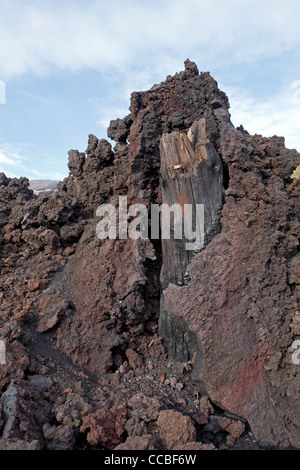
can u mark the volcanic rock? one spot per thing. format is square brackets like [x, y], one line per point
[25, 412]
[58, 437]
[175, 429]
[17, 361]
[76, 307]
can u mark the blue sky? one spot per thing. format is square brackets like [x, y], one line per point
[70, 66]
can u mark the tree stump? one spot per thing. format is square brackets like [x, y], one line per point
[191, 174]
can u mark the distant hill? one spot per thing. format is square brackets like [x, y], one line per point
[42, 186]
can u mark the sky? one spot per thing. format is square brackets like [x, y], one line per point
[67, 67]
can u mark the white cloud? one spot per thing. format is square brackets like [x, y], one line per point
[143, 42]
[279, 115]
[54, 175]
[6, 160]
[11, 162]
[11, 154]
[18, 159]
[105, 113]
[38, 35]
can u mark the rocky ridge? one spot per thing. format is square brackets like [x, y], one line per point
[102, 350]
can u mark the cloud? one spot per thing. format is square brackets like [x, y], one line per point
[11, 154]
[42, 36]
[278, 115]
[11, 163]
[139, 43]
[6, 160]
[18, 159]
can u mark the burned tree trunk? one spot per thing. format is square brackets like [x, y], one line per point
[191, 174]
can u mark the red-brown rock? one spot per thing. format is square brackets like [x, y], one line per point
[105, 427]
[17, 361]
[175, 429]
[25, 412]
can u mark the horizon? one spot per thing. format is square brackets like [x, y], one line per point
[67, 70]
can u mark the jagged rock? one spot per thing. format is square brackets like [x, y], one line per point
[135, 361]
[206, 407]
[118, 129]
[43, 383]
[51, 312]
[42, 238]
[17, 361]
[144, 408]
[247, 266]
[19, 444]
[24, 412]
[230, 310]
[246, 444]
[191, 68]
[14, 190]
[105, 427]
[76, 162]
[99, 155]
[246, 261]
[136, 427]
[221, 423]
[145, 130]
[105, 299]
[72, 412]
[175, 429]
[71, 232]
[58, 437]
